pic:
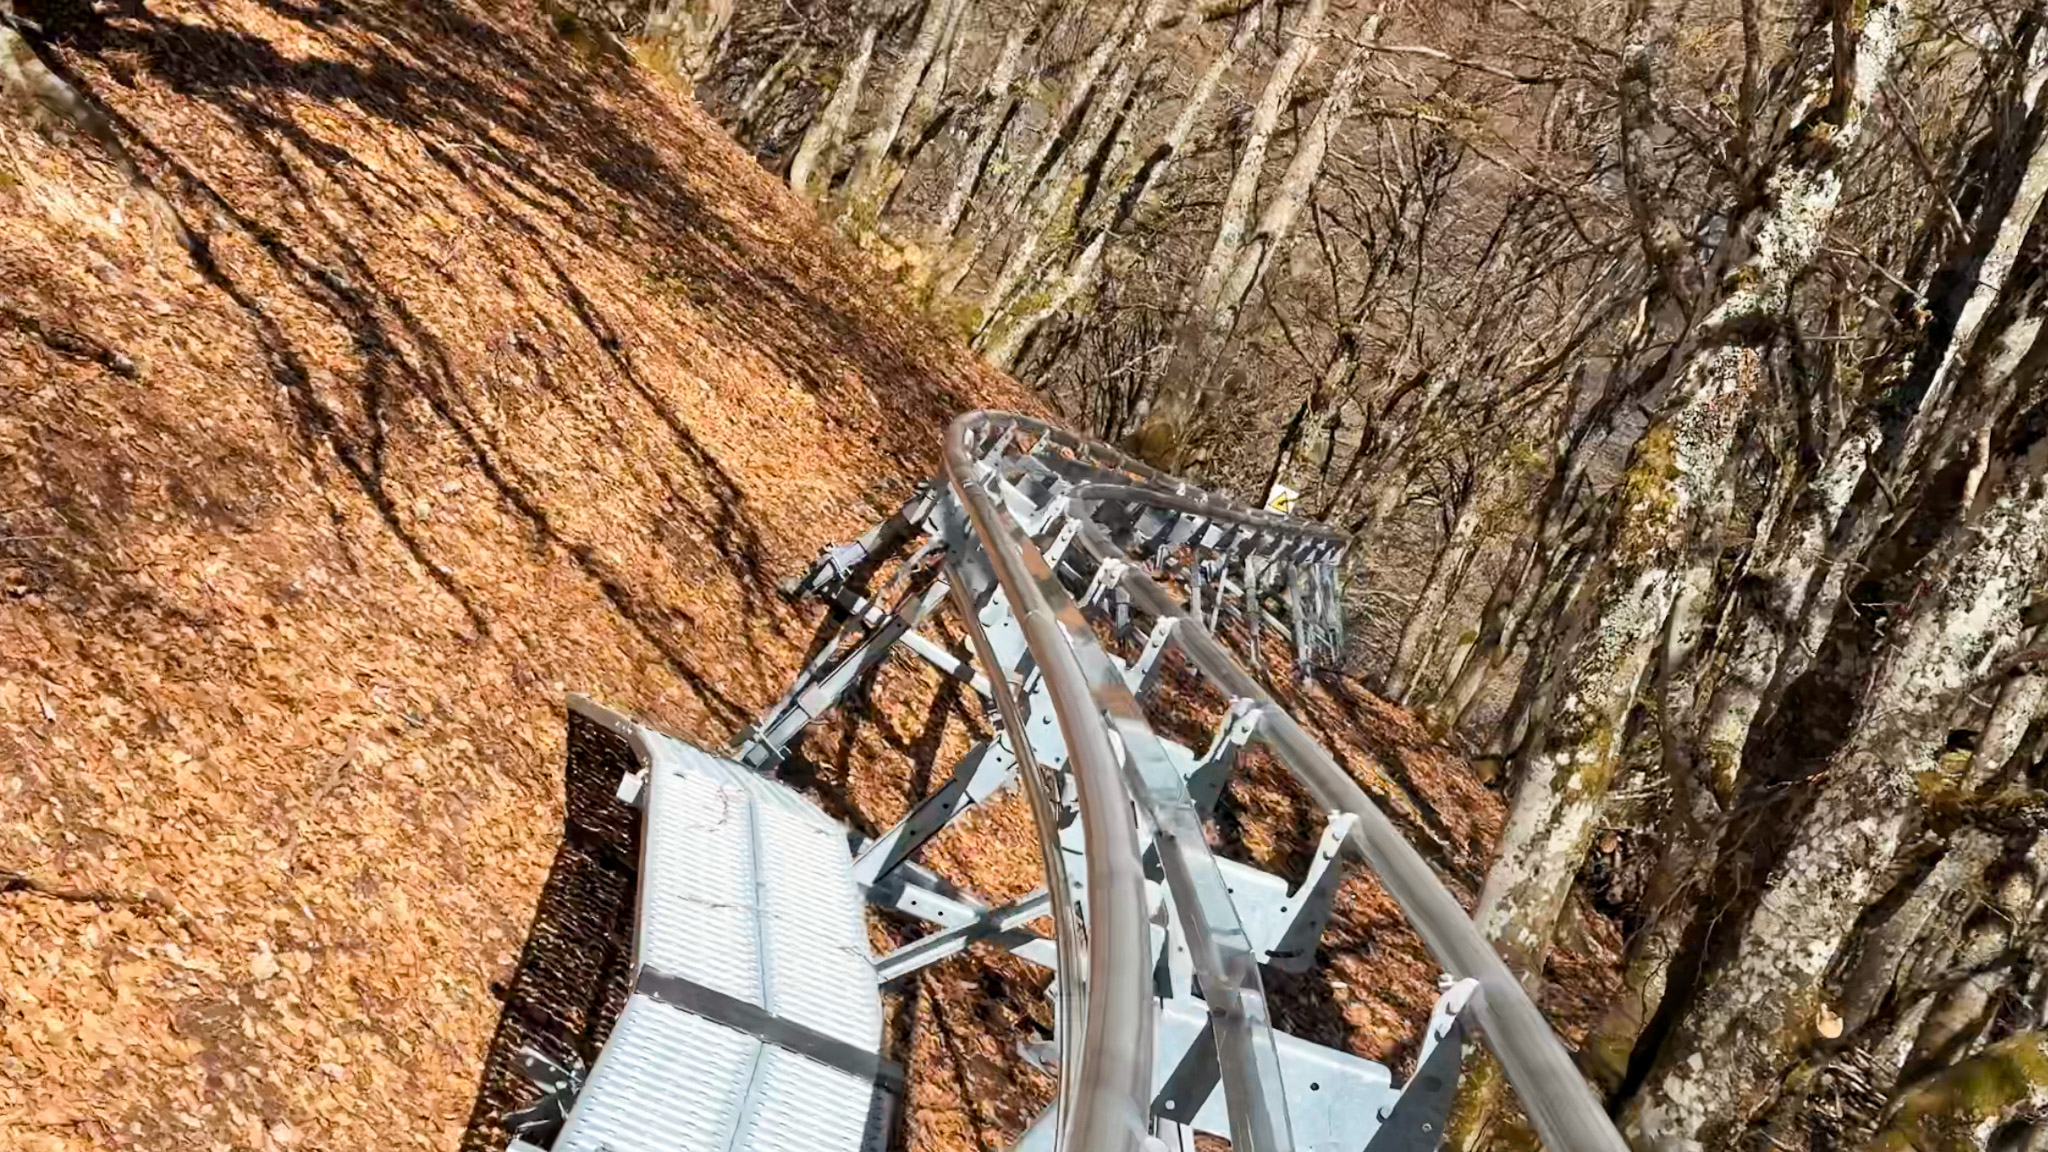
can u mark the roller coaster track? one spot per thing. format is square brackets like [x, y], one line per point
[1024, 503]
[1074, 570]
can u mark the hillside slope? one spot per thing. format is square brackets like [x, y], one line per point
[503, 375]
[494, 371]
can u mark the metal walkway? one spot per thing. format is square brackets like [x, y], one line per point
[745, 1032]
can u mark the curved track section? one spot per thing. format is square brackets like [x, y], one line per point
[1029, 501]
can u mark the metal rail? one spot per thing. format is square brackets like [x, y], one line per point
[1106, 1074]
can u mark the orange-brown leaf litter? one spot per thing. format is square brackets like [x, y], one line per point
[492, 371]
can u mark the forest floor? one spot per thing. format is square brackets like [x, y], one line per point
[492, 371]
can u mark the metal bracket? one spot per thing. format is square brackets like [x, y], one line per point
[1144, 671]
[1003, 927]
[1415, 1122]
[1295, 950]
[632, 786]
[1211, 773]
[982, 772]
[827, 678]
[558, 1083]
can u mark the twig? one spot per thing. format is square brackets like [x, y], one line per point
[66, 342]
[11, 881]
[1935, 184]
[1467, 62]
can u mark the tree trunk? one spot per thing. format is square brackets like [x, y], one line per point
[861, 199]
[1059, 187]
[1240, 203]
[1755, 1010]
[764, 91]
[1564, 620]
[1427, 615]
[1964, 1009]
[1079, 98]
[1126, 196]
[1507, 613]
[1983, 262]
[1467, 669]
[1958, 1108]
[1671, 474]
[1931, 907]
[2019, 701]
[998, 102]
[1221, 295]
[690, 29]
[810, 172]
[1767, 626]
[921, 124]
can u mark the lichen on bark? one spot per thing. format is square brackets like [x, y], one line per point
[1756, 1009]
[1958, 1108]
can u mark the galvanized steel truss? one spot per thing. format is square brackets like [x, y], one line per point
[1037, 538]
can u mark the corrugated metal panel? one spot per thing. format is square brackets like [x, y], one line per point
[748, 889]
[698, 906]
[667, 1081]
[800, 1105]
[819, 973]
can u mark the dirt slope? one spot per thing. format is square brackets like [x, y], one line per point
[494, 371]
[503, 373]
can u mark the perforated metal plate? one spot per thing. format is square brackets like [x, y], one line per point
[746, 890]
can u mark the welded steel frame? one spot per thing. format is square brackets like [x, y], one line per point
[1017, 503]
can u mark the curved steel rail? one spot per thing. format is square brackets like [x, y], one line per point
[1106, 1077]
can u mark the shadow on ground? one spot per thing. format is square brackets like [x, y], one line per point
[575, 971]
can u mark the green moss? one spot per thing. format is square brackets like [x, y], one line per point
[1725, 762]
[1649, 494]
[1946, 1110]
[1744, 279]
[1480, 1090]
[1604, 1057]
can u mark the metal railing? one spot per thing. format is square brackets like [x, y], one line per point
[1107, 1011]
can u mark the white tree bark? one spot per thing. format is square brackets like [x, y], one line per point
[1304, 169]
[1672, 473]
[1058, 191]
[811, 169]
[1929, 908]
[998, 99]
[864, 186]
[1240, 203]
[1753, 1011]
[1931, 417]
[1764, 630]
[1240, 200]
[924, 110]
[692, 29]
[2019, 701]
[1077, 96]
[1128, 196]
